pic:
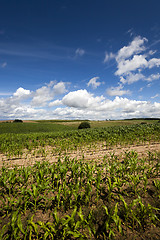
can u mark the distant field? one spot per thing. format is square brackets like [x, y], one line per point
[95, 124]
[43, 126]
[29, 127]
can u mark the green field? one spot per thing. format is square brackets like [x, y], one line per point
[116, 196]
[42, 126]
[37, 127]
[13, 144]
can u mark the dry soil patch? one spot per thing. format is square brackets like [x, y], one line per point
[94, 154]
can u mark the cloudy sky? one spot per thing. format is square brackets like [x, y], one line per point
[79, 59]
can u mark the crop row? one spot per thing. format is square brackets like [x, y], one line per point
[74, 199]
[14, 144]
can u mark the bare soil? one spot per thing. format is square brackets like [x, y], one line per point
[96, 153]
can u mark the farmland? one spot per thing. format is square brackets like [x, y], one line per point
[57, 182]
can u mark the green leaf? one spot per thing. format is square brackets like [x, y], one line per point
[106, 209]
[19, 223]
[74, 234]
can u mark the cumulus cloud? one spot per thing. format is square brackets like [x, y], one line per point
[117, 91]
[126, 66]
[35, 106]
[42, 96]
[12, 107]
[26, 112]
[130, 58]
[135, 47]
[154, 62]
[46, 93]
[59, 88]
[81, 99]
[131, 78]
[22, 93]
[153, 77]
[74, 113]
[80, 52]
[93, 82]
[77, 104]
[131, 61]
[119, 108]
[55, 103]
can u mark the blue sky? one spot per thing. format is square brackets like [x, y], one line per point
[72, 59]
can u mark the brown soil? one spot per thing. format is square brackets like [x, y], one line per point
[98, 153]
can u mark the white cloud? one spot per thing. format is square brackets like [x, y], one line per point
[119, 108]
[135, 47]
[55, 103]
[26, 112]
[80, 52]
[108, 56]
[130, 32]
[42, 96]
[153, 77]
[5, 93]
[154, 62]
[22, 93]
[59, 88]
[126, 66]
[131, 78]
[78, 104]
[151, 52]
[131, 63]
[46, 93]
[81, 99]
[117, 91]
[155, 96]
[74, 113]
[51, 83]
[12, 107]
[93, 82]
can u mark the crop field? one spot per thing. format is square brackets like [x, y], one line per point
[61, 183]
[32, 127]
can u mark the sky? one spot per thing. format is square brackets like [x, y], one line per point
[79, 59]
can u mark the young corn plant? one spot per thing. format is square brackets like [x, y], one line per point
[14, 228]
[112, 222]
[111, 185]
